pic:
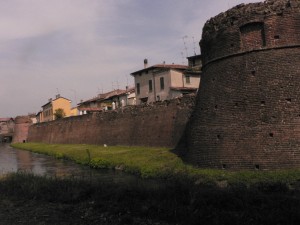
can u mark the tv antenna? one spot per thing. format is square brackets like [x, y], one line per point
[184, 44]
[194, 45]
[182, 57]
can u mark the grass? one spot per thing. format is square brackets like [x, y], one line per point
[159, 163]
[45, 200]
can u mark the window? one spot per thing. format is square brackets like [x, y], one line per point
[253, 35]
[138, 91]
[187, 79]
[162, 83]
[150, 85]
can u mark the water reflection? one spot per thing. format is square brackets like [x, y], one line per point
[14, 160]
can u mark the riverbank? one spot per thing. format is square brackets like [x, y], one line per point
[189, 195]
[29, 199]
[149, 162]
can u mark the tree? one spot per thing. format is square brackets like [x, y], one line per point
[59, 113]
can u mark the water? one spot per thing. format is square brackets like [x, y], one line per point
[14, 160]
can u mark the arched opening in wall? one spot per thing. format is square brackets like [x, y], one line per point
[253, 35]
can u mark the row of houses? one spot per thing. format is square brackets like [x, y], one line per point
[152, 83]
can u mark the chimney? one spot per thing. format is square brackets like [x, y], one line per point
[145, 63]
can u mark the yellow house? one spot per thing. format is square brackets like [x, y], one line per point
[74, 111]
[58, 103]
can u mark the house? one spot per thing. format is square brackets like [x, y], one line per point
[48, 110]
[195, 62]
[6, 129]
[165, 81]
[74, 111]
[127, 97]
[39, 117]
[108, 101]
[33, 117]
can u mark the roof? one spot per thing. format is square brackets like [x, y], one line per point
[91, 109]
[194, 57]
[158, 66]
[108, 95]
[6, 119]
[55, 100]
[184, 89]
[193, 73]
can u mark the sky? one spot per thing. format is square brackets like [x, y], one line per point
[80, 48]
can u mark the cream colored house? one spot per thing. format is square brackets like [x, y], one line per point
[48, 110]
[108, 101]
[164, 81]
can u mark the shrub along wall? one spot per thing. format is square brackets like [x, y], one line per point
[158, 124]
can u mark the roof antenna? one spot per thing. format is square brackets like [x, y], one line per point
[57, 91]
[182, 58]
[184, 43]
[194, 45]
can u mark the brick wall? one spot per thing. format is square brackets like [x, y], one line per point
[247, 114]
[159, 124]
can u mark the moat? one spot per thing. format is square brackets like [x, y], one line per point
[15, 160]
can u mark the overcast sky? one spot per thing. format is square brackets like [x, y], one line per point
[79, 48]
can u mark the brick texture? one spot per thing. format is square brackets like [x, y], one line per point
[247, 114]
[22, 124]
[158, 124]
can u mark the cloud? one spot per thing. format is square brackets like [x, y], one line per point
[85, 46]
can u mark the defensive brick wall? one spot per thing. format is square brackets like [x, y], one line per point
[247, 114]
[159, 124]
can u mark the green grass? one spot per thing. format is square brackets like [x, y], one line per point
[150, 162]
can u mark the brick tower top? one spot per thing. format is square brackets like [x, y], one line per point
[273, 23]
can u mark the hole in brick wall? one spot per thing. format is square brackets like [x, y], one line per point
[288, 100]
[279, 14]
[231, 45]
[253, 72]
[174, 117]
[236, 104]
[256, 166]
[213, 79]
[218, 136]
[271, 134]
[262, 103]
[223, 166]
[216, 106]
[276, 37]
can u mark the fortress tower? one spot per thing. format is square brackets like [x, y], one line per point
[22, 124]
[247, 114]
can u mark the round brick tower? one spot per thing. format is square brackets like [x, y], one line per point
[22, 124]
[247, 114]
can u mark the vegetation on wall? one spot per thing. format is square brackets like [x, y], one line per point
[59, 113]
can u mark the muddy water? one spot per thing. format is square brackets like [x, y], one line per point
[14, 160]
